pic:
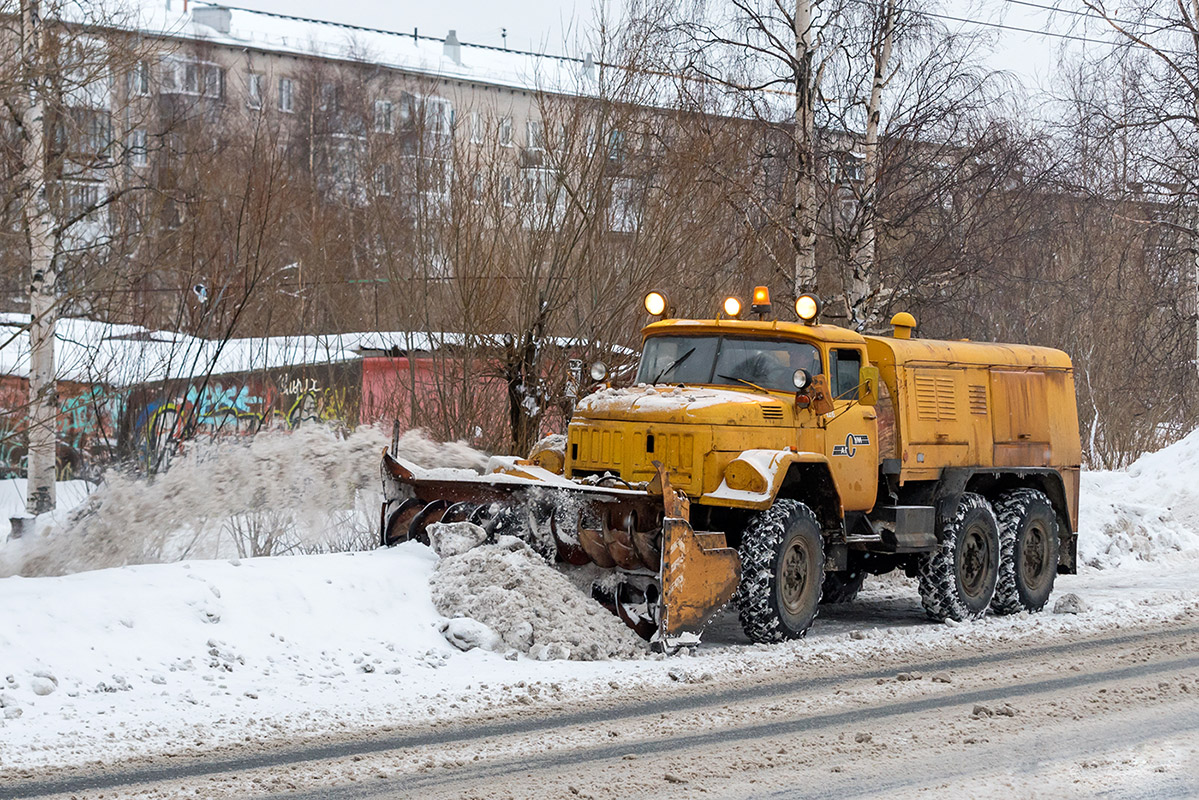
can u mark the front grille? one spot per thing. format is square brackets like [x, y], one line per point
[599, 447]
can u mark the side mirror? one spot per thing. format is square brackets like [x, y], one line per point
[868, 379]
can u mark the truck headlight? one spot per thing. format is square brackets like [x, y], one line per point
[807, 308]
[655, 304]
[742, 477]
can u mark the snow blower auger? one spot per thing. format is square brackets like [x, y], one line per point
[668, 579]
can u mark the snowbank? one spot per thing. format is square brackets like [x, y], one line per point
[1148, 512]
[309, 490]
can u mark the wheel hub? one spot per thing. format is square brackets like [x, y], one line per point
[1036, 553]
[975, 557]
[794, 577]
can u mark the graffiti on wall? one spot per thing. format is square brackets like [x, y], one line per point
[241, 405]
[86, 426]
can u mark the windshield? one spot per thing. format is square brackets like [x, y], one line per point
[726, 360]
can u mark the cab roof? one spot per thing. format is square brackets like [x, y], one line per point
[766, 328]
[883, 349]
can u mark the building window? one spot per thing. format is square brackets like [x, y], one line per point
[189, 77]
[477, 187]
[81, 202]
[254, 90]
[287, 95]
[139, 79]
[328, 97]
[186, 76]
[214, 81]
[476, 127]
[535, 140]
[439, 116]
[407, 101]
[85, 132]
[138, 149]
[506, 131]
[845, 168]
[626, 205]
[384, 121]
[506, 190]
[382, 180]
[615, 145]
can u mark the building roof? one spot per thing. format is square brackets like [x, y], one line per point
[409, 52]
[87, 351]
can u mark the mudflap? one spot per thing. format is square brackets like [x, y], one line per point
[699, 574]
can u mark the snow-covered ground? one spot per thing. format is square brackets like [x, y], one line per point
[185, 656]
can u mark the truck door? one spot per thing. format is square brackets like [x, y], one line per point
[851, 432]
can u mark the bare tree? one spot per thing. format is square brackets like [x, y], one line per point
[60, 106]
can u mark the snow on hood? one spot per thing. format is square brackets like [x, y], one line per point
[642, 399]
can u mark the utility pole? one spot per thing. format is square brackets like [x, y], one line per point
[43, 391]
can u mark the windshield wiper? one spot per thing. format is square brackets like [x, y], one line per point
[742, 380]
[672, 365]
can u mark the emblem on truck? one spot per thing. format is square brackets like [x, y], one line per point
[852, 442]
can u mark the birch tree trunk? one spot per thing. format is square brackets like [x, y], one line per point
[804, 207]
[43, 391]
[863, 277]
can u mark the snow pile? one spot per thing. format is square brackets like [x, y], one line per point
[454, 538]
[554, 441]
[534, 608]
[1145, 513]
[309, 490]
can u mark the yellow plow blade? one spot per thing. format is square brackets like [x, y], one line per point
[699, 573]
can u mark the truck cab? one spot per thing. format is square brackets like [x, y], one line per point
[708, 391]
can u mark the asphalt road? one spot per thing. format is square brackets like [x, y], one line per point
[1113, 716]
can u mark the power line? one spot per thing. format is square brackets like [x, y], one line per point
[1015, 28]
[266, 284]
[1034, 31]
[414, 35]
[1074, 12]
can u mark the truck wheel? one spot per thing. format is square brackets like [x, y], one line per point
[1028, 550]
[957, 580]
[782, 570]
[842, 587]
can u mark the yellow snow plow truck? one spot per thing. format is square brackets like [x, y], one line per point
[777, 462]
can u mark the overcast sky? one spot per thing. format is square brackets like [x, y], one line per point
[559, 25]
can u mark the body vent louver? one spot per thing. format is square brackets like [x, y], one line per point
[978, 399]
[772, 412]
[934, 397]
